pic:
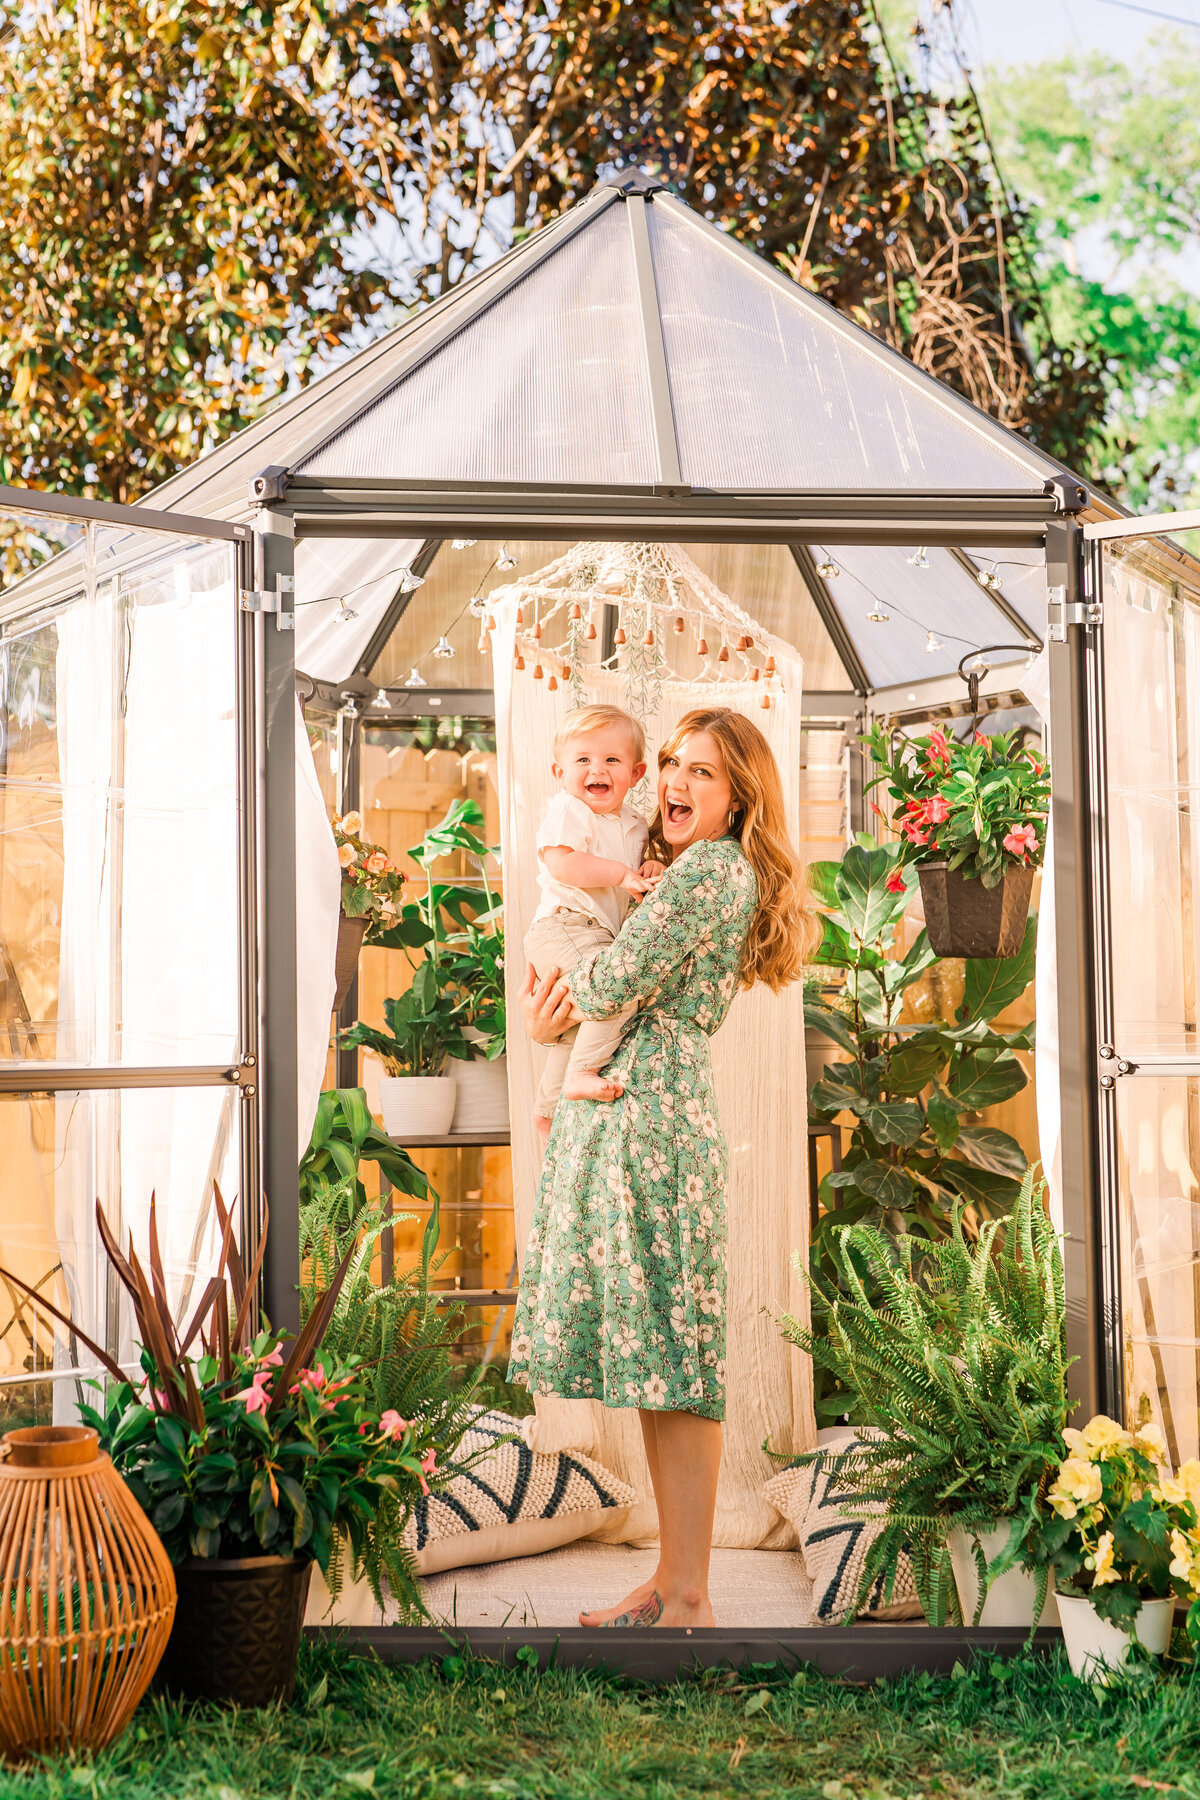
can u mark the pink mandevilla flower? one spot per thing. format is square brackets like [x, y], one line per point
[273, 1359]
[895, 883]
[1021, 839]
[391, 1424]
[937, 810]
[311, 1378]
[939, 750]
[257, 1397]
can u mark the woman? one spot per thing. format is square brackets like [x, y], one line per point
[623, 1293]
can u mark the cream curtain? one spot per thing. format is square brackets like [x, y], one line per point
[758, 1055]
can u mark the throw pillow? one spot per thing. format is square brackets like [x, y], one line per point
[833, 1546]
[512, 1502]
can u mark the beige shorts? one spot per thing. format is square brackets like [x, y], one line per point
[561, 941]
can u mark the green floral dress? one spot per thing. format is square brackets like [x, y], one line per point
[623, 1292]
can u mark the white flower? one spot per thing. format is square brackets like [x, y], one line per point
[632, 1390]
[693, 1189]
[706, 1217]
[624, 1341]
[597, 1252]
[521, 1347]
[576, 1260]
[655, 1390]
[637, 1277]
[552, 1332]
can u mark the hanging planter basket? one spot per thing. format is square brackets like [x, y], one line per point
[351, 933]
[963, 918]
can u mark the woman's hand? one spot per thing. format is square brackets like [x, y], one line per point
[546, 1006]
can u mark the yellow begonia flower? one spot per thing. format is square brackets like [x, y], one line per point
[1185, 1561]
[1189, 1480]
[1149, 1439]
[1169, 1492]
[1102, 1562]
[1079, 1481]
[1101, 1434]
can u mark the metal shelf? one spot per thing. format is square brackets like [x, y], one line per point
[474, 1296]
[457, 1140]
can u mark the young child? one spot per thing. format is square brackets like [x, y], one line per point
[591, 862]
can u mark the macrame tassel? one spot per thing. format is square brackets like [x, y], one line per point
[755, 673]
[538, 671]
[552, 684]
[590, 633]
[702, 647]
[648, 640]
[745, 643]
[520, 617]
[619, 635]
[566, 671]
[518, 661]
[577, 611]
[723, 653]
[770, 668]
[535, 629]
[679, 627]
[766, 700]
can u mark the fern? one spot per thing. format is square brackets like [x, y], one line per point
[404, 1339]
[954, 1354]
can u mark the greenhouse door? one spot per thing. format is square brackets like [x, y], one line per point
[1146, 833]
[130, 657]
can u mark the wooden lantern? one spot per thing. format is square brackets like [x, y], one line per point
[88, 1595]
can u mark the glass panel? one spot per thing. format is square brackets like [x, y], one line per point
[1159, 1147]
[118, 813]
[503, 400]
[770, 391]
[1152, 683]
[62, 1152]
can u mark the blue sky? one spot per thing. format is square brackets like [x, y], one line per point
[1013, 31]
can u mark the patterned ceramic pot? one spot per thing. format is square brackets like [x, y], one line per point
[237, 1629]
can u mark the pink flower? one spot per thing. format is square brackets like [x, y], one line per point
[272, 1360]
[980, 739]
[910, 831]
[161, 1399]
[377, 863]
[937, 810]
[939, 750]
[256, 1398]
[391, 1424]
[311, 1378]
[429, 1462]
[895, 883]
[346, 854]
[1021, 839]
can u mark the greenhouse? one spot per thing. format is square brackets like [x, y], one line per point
[695, 476]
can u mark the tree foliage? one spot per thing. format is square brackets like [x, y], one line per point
[199, 197]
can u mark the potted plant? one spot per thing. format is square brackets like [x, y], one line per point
[952, 1355]
[1118, 1535]
[972, 818]
[424, 1030]
[907, 1087]
[371, 884]
[455, 927]
[251, 1454]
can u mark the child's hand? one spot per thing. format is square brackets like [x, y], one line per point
[652, 872]
[633, 884]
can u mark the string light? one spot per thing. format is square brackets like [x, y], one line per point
[462, 543]
[828, 569]
[918, 559]
[410, 581]
[506, 559]
[416, 679]
[477, 606]
[877, 616]
[933, 643]
[344, 613]
[443, 649]
[382, 701]
[989, 578]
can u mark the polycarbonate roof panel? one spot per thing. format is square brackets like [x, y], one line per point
[546, 384]
[770, 390]
[943, 600]
[1022, 582]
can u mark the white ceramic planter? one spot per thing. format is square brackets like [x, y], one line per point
[482, 1101]
[1095, 1648]
[355, 1605]
[1010, 1599]
[417, 1105]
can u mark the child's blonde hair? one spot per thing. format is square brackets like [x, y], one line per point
[599, 718]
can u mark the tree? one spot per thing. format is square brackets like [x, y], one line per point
[199, 197]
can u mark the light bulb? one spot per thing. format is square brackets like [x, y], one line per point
[506, 559]
[461, 543]
[828, 569]
[918, 559]
[989, 578]
[477, 606]
[416, 679]
[349, 705]
[382, 702]
[933, 643]
[877, 616]
[978, 666]
[443, 649]
[344, 613]
[410, 582]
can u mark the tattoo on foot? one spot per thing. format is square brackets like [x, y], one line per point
[647, 1613]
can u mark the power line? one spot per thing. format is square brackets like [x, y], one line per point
[1151, 12]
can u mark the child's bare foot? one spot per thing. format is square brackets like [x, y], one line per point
[589, 1086]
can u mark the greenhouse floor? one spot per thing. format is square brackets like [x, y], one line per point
[766, 1588]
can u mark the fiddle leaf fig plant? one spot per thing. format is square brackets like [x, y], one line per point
[909, 1087]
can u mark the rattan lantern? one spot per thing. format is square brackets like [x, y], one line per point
[87, 1594]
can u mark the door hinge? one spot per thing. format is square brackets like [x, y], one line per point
[1062, 612]
[281, 601]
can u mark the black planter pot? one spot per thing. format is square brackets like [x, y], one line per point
[963, 918]
[237, 1629]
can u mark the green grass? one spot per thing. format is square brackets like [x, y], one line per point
[475, 1731]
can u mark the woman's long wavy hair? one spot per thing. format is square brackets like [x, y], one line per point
[780, 929]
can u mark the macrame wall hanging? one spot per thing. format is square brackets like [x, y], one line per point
[641, 626]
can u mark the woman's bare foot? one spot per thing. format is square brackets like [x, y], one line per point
[589, 1086]
[604, 1615]
[686, 1611]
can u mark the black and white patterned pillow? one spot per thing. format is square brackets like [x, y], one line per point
[512, 1501]
[834, 1546]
